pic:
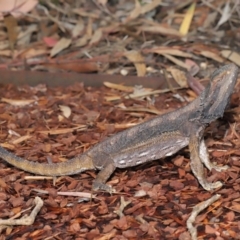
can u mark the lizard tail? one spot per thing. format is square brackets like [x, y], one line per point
[75, 165]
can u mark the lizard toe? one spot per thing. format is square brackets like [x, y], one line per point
[101, 186]
[221, 168]
[210, 186]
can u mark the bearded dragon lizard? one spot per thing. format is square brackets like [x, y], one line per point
[159, 137]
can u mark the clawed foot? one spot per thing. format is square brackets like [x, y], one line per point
[211, 186]
[101, 186]
[211, 166]
[220, 168]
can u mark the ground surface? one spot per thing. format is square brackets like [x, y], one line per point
[56, 124]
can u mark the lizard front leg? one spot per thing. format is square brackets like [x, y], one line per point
[205, 159]
[197, 166]
[102, 177]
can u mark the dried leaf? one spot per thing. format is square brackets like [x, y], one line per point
[118, 87]
[236, 207]
[137, 59]
[212, 55]
[170, 51]
[230, 216]
[24, 37]
[142, 9]
[78, 29]
[82, 41]
[19, 103]
[102, 2]
[4, 44]
[159, 29]
[211, 18]
[177, 61]
[33, 52]
[6, 53]
[11, 132]
[226, 14]
[232, 56]
[96, 37]
[179, 76]
[11, 25]
[62, 44]
[66, 111]
[210, 230]
[50, 42]
[16, 7]
[21, 139]
[184, 28]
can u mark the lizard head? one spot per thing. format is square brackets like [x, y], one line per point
[215, 97]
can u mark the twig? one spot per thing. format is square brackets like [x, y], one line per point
[196, 210]
[25, 220]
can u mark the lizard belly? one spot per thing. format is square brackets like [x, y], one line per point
[149, 152]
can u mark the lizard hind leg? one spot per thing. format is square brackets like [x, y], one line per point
[204, 156]
[102, 177]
